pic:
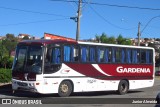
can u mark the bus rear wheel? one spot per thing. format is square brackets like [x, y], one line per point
[123, 87]
[65, 89]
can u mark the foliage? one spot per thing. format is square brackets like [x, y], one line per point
[3, 51]
[123, 41]
[146, 39]
[5, 75]
[112, 40]
[6, 62]
[6, 47]
[120, 39]
[158, 39]
[103, 38]
[10, 43]
[10, 62]
[98, 38]
[25, 38]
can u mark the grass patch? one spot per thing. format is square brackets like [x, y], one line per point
[5, 75]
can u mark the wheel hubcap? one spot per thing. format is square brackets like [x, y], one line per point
[64, 88]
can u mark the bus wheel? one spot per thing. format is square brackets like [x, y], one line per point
[65, 89]
[123, 87]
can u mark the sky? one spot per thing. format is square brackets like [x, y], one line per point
[36, 17]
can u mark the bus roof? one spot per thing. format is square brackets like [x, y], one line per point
[49, 41]
[46, 41]
[115, 45]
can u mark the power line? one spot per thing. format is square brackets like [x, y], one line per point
[40, 21]
[87, 2]
[149, 22]
[123, 6]
[29, 11]
[113, 5]
[103, 18]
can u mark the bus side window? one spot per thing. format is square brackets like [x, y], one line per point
[100, 54]
[48, 56]
[53, 56]
[118, 55]
[92, 54]
[107, 55]
[129, 57]
[113, 55]
[84, 53]
[135, 56]
[104, 55]
[149, 55]
[56, 56]
[74, 53]
[53, 60]
[71, 53]
[67, 53]
[143, 56]
[123, 55]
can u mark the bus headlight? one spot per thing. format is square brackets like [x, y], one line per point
[31, 84]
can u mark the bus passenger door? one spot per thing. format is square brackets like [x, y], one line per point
[52, 64]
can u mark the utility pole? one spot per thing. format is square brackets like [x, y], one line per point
[78, 20]
[139, 33]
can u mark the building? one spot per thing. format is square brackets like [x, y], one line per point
[2, 38]
[53, 37]
[21, 36]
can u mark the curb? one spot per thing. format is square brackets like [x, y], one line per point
[2, 84]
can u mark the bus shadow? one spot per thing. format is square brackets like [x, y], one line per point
[6, 90]
[101, 93]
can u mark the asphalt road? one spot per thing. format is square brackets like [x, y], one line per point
[92, 99]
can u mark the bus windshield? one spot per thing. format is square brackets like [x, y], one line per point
[28, 59]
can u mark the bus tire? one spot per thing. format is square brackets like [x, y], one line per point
[123, 87]
[65, 89]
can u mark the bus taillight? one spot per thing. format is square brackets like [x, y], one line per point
[37, 83]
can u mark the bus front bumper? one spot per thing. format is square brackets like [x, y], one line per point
[26, 86]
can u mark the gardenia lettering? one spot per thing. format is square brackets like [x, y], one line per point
[120, 69]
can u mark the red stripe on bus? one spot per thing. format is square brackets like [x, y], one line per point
[111, 69]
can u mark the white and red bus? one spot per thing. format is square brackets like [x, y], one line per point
[63, 67]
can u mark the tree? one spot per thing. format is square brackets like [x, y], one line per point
[3, 51]
[123, 41]
[103, 38]
[10, 37]
[111, 40]
[4, 61]
[127, 42]
[158, 39]
[25, 38]
[153, 46]
[157, 58]
[97, 38]
[10, 43]
[120, 39]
